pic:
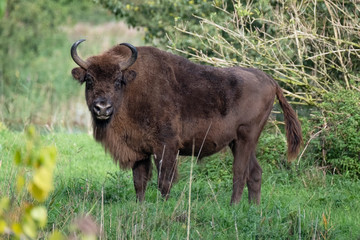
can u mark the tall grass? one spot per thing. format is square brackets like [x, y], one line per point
[296, 203]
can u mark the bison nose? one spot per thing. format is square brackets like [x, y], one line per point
[102, 109]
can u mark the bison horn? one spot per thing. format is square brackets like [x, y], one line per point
[76, 57]
[132, 59]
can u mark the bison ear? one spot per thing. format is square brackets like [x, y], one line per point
[128, 76]
[79, 74]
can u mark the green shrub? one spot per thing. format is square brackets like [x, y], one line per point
[341, 115]
[159, 18]
[272, 148]
[24, 217]
[337, 126]
[25, 210]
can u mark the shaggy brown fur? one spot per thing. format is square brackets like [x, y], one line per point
[163, 104]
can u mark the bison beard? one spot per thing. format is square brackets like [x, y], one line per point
[145, 102]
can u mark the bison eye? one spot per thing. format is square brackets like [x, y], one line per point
[89, 81]
[118, 84]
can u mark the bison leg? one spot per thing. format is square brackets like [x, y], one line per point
[241, 154]
[242, 149]
[166, 162]
[254, 180]
[141, 175]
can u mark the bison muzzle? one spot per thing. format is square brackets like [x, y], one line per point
[146, 102]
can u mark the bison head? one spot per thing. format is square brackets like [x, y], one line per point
[105, 77]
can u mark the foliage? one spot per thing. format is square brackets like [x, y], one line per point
[272, 148]
[331, 136]
[24, 213]
[337, 144]
[159, 17]
[31, 213]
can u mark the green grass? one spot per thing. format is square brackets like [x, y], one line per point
[302, 203]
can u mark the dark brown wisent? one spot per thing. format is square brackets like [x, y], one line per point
[146, 102]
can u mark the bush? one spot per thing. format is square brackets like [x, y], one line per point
[336, 138]
[159, 18]
[24, 217]
[272, 149]
[24, 211]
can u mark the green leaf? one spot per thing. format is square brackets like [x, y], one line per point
[17, 229]
[20, 182]
[4, 204]
[29, 228]
[31, 133]
[3, 226]
[37, 193]
[17, 157]
[56, 235]
[39, 214]
[43, 179]
[47, 157]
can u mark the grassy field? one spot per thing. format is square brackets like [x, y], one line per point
[296, 204]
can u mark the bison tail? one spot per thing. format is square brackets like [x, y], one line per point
[292, 126]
